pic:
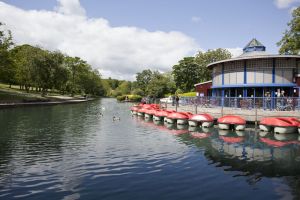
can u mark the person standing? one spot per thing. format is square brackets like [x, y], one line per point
[177, 100]
[173, 100]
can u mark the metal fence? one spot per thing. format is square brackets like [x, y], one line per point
[266, 103]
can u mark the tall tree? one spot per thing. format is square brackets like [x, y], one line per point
[24, 57]
[204, 58]
[290, 42]
[47, 65]
[158, 85]
[186, 73]
[7, 68]
[75, 66]
[143, 78]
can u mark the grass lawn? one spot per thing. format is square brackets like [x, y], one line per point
[15, 95]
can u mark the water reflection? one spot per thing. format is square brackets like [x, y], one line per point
[247, 151]
[250, 153]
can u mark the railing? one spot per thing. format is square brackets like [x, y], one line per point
[266, 103]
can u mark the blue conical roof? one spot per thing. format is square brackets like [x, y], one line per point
[254, 45]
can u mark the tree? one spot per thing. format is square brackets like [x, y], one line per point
[114, 83]
[48, 67]
[158, 85]
[75, 65]
[171, 85]
[203, 59]
[143, 78]
[7, 68]
[24, 57]
[290, 42]
[124, 88]
[186, 73]
[61, 75]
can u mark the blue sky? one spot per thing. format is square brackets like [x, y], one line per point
[209, 23]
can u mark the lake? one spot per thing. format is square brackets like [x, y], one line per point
[78, 152]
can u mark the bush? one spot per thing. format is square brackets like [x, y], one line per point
[121, 98]
[116, 93]
[135, 98]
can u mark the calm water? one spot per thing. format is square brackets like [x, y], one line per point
[72, 152]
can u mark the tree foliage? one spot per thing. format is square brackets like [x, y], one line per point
[186, 73]
[7, 69]
[34, 67]
[191, 70]
[143, 78]
[290, 42]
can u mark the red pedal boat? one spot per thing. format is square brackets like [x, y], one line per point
[205, 120]
[280, 124]
[180, 117]
[238, 122]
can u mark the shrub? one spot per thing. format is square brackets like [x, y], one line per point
[121, 98]
[135, 98]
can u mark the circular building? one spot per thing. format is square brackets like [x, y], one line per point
[256, 73]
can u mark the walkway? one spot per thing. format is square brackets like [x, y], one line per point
[250, 115]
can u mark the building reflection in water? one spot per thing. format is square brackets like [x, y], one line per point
[249, 153]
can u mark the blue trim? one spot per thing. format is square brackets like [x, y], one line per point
[273, 71]
[244, 92]
[222, 100]
[245, 72]
[256, 85]
[222, 73]
[273, 99]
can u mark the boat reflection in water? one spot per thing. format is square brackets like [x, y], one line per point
[250, 151]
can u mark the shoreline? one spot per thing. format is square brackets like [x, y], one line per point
[41, 103]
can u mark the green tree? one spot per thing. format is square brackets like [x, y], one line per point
[24, 58]
[7, 68]
[171, 85]
[61, 75]
[91, 83]
[48, 66]
[186, 73]
[204, 58]
[114, 83]
[143, 78]
[124, 88]
[158, 85]
[290, 42]
[76, 66]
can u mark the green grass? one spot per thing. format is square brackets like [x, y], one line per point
[188, 94]
[15, 95]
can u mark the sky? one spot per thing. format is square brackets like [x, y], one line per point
[123, 37]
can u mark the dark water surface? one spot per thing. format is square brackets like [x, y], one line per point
[72, 152]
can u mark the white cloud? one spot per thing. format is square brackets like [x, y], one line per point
[196, 19]
[285, 3]
[70, 7]
[235, 51]
[119, 52]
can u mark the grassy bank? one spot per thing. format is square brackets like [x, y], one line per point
[15, 95]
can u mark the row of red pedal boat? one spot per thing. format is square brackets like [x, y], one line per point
[276, 124]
